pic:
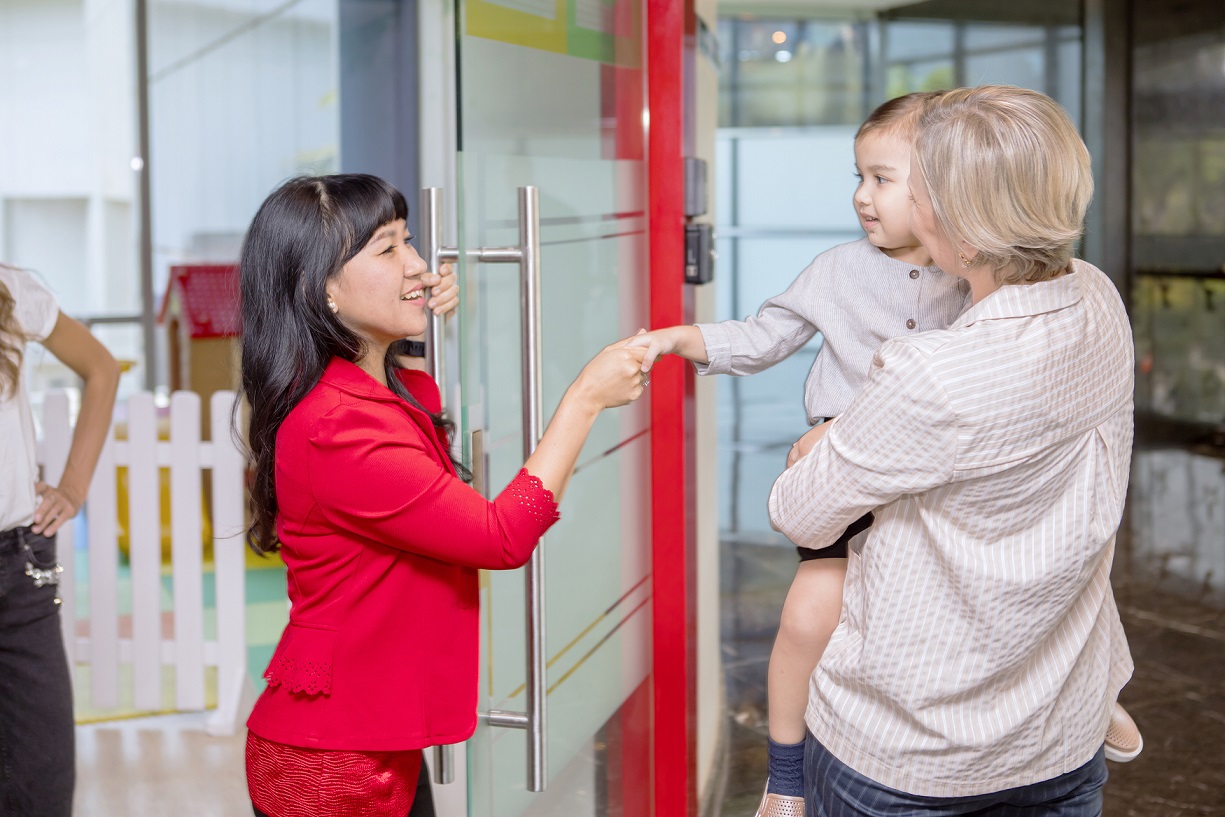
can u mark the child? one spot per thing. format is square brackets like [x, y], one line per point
[858, 295]
[36, 727]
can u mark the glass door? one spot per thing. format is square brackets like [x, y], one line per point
[550, 94]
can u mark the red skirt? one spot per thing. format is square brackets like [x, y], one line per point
[288, 781]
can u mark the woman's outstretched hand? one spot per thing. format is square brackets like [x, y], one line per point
[613, 377]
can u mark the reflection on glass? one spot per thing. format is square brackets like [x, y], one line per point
[1179, 325]
[980, 36]
[1021, 66]
[792, 72]
[1177, 523]
[1179, 168]
[905, 78]
[917, 42]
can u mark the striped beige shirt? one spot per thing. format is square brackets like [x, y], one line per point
[979, 647]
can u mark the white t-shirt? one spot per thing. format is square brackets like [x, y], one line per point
[35, 311]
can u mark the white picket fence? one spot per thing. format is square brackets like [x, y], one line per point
[146, 650]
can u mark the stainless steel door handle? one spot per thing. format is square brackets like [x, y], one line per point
[431, 245]
[527, 255]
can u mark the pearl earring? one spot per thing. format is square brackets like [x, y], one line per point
[332, 306]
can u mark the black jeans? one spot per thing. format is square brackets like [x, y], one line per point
[423, 803]
[37, 769]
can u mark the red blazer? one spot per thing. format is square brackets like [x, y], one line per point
[382, 542]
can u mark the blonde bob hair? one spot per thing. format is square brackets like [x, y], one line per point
[1008, 175]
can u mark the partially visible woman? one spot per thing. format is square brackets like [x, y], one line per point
[980, 651]
[36, 726]
[355, 484]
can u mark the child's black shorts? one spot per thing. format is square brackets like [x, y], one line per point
[838, 549]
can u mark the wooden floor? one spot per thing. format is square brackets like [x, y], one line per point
[165, 765]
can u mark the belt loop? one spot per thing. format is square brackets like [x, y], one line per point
[21, 537]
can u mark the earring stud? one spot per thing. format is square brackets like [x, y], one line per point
[332, 306]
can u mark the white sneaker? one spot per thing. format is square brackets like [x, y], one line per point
[780, 805]
[1123, 740]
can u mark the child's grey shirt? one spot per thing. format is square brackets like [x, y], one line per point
[854, 295]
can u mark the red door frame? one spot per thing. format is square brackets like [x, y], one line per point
[673, 540]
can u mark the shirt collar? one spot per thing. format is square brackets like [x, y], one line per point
[352, 379]
[1024, 300]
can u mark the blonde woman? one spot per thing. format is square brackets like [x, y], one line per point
[36, 737]
[980, 652]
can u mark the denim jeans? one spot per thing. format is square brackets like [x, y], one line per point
[836, 790]
[37, 769]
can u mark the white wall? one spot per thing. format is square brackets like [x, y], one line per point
[239, 101]
[67, 137]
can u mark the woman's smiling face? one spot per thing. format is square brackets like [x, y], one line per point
[378, 293]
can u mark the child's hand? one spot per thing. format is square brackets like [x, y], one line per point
[685, 341]
[805, 444]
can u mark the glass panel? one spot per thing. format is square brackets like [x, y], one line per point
[799, 178]
[1019, 66]
[913, 42]
[1180, 347]
[1000, 37]
[578, 137]
[792, 72]
[1176, 524]
[1067, 82]
[931, 75]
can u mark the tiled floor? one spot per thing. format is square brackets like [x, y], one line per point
[1169, 581]
[164, 765]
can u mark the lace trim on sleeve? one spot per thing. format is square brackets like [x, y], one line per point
[529, 494]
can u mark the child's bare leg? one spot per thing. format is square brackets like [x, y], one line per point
[810, 614]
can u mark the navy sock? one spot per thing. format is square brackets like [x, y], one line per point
[786, 769]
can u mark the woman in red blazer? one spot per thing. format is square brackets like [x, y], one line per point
[355, 485]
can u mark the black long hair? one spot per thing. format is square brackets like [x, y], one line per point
[302, 235]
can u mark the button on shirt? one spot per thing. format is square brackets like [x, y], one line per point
[858, 298]
[979, 647]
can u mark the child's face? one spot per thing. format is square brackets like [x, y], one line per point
[882, 199]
